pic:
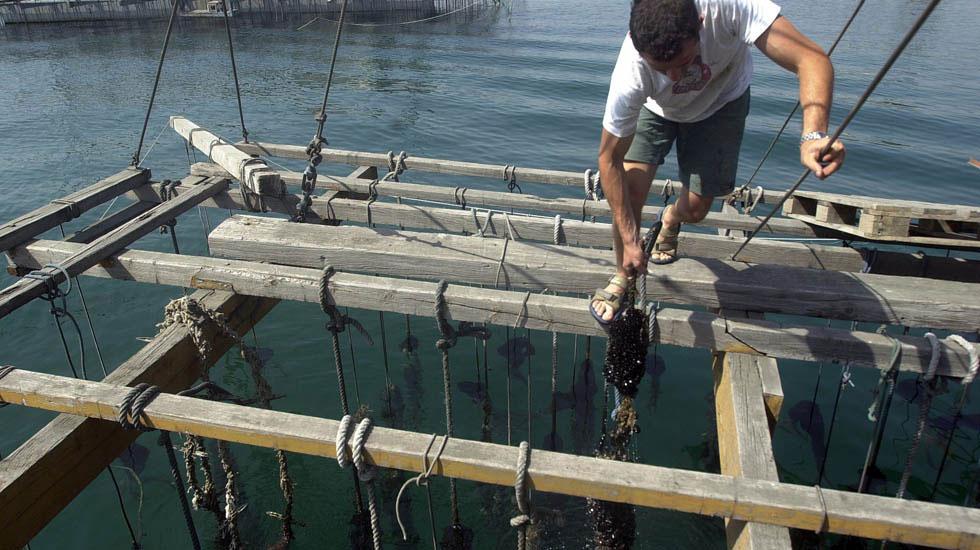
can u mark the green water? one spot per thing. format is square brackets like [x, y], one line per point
[524, 87]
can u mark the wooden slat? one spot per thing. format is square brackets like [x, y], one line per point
[252, 172]
[642, 485]
[576, 208]
[25, 290]
[45, 473]
[536, 311]
[331, 206]
[705, 282]
[744, 446]
[32, 224]
[897, 207]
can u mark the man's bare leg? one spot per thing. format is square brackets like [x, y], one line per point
[639, 177]
[689, 208]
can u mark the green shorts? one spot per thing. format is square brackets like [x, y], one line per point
[707, 150]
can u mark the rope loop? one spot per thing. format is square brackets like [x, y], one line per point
[365, 471]
[420, 480]
[524, 518]
[559, 234]
[510, 176]
[752, 201]
[933, 359]
[396, 166]
[131, 410]
[971, 350]
[343, 434]
[53, 290]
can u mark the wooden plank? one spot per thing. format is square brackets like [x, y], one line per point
[643, 485]
[836, 213]
[772, 386]
[744, 445]
[45, 473]
[32, 224]
[331, 206]
[897, 207]
[25, 290]
[705, 282]
[536, 311]
[101, 227]
[252, 172]
[883, 225]
[939, 242]
[580, 208]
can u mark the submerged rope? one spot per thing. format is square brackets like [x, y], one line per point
[524, 517]
[929, 384]
[964, 391]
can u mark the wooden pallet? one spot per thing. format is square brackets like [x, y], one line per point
[877, 219]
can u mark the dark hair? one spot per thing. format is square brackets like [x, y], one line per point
[659, 28]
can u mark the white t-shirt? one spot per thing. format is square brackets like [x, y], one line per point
[720, 73]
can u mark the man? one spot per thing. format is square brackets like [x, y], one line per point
[683, 75]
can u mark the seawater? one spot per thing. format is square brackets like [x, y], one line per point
[524, 85]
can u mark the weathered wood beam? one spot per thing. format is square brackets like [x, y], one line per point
[535, 311]
[441, 166]
[103, 226]
[252, 172]
[32, 224]
[331, 206]
[25, 290]
[575, 208]
[744, 445]
[682, 490]
[45, 473]
[705, 282]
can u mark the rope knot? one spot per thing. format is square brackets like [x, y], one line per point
[521, 520]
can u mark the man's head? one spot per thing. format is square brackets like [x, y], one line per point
[665, 32]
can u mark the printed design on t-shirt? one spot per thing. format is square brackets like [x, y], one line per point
[696, 76]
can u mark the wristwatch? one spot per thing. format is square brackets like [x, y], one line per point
[810, 136]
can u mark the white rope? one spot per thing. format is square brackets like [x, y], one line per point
[934, 359]
[974, 357]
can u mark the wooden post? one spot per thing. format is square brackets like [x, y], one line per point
[25, 290]
[252, 172]
[743, 499]
[45, 473]
[744, 446]
[32, 224]
[709, 283]
[539, 312]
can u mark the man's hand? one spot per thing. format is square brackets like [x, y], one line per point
[830, 163]
[634, 260]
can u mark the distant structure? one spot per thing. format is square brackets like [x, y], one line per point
[52, 11]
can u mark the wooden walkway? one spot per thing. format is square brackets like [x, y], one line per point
[519, 254]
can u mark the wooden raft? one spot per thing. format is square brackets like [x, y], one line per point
[878, 219]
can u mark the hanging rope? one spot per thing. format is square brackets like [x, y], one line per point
[510, 176]
[234, 69]
[789, 117]
[524, 519]
[364, 471]
[449, 338]
[964, 391]
[167, 192]
[396, 166]
[847, 120]
[845, 380]
[132, 417]
[314, 149]
[337, 324]
[156, 81]
[929, 385]
[878, 411]
[55, 296]
[422, 480]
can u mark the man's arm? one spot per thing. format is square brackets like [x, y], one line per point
[612, 173]
[793, 51]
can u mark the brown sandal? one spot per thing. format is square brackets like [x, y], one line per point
[666, 244]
